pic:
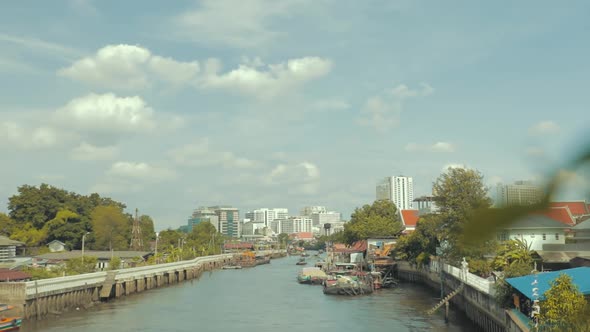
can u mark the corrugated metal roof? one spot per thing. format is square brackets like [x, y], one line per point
[4, 241]
[580, 277]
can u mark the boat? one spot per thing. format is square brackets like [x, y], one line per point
[9, 323]
[312, 276]
[304, 254]
[349, 285]
[262, 260]
[301, 262]
[226, 267]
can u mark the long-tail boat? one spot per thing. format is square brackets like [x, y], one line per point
[9, 323]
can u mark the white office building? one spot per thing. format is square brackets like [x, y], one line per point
[519, 193]
[398, 189]
[319, 219]
[292, 225]
[266, 216]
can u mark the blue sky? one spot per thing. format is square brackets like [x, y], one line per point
[169, 106]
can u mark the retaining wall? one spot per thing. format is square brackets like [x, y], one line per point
[37, 299]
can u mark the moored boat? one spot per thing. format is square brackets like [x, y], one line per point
[301, 262]
[312, 276]
[349, 285]
[9, 323]
[226, 267]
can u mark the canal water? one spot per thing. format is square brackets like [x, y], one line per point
[266, 298]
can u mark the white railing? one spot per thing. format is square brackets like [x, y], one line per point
[62, 284]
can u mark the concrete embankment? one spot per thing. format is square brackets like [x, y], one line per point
[37, 299]
[476, 299]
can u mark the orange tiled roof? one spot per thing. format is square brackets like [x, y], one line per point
[358, 246]
[409, 217]
[561, 214]
[303, 235]
[577, 208]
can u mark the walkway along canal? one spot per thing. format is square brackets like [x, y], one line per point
[37, 299]
[267, 298]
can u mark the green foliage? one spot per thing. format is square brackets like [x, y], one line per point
[31, 236]
[7, 225]
[562, 302]
[379, 219]
[115, 263]
[147, 230]
[111, 228]
[481, 267]
[81, 265]
[423, 240]
[513, 253]
[283, 239]
[458, 193]
[42, 273]
[169, 238]
[67, 227]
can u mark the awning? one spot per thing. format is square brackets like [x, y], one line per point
[580, 277]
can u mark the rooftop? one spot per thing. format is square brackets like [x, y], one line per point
[560, 213]
[409, 217]
[580, 277]
[5, 241]
[536, 221]
[577, 208]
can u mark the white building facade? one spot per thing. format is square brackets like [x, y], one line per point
[518, 193]
[266, 216]
[398, 189]
[319, 219]
[535, 230]
[292, 225]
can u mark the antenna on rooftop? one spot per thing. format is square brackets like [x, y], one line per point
[136, 242]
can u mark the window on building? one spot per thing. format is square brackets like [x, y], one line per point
[503, 236]
[557, 236]
[544, 236]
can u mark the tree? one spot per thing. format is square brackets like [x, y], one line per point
[148, 233]
[513, 253]
[379, 219]
[205, 239]
[110, 228]
[67, 227]
[283, 239]
[7, 225]
[115, 263]
[421, 243]
[86, 264]
[459, 192]
[562, 302]
[31, 236]
[36, 205]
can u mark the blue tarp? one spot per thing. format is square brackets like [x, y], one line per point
[580, 277]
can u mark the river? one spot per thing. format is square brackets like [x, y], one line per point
[266, 298]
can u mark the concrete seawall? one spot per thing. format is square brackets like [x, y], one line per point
[37, 299]
[476, 299]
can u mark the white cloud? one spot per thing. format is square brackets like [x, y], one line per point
[544, 127]
[129, 67]
[13, 134]
[107, 113]
[89, 152]
[38, 45]
[199, 154]
[436, 147]
[139, 171]
[234, 23]
[383, 112]
[454, 165]
[268, 81]
[302, 177]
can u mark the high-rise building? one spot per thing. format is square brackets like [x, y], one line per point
[425, 205]
[203, 214]
[292, 225]
[398, 189]
[229, 220]
[319, 219]
[267, 215]
[309, 210]
[519, 193]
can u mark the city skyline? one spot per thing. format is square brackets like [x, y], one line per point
[167, 107]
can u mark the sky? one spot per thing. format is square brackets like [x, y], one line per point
[167, 106]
